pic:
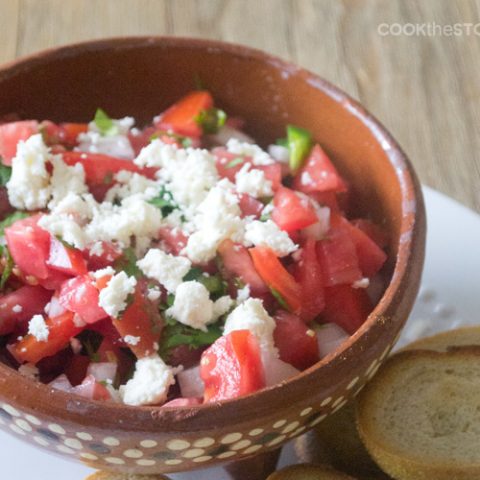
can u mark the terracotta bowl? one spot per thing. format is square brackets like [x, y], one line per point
[140, 77]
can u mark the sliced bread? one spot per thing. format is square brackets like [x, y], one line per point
[309, 472]
[101, 475]
[420, 415]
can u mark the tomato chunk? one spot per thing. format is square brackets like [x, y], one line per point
[238, 263]
[65, 259]
[181, 116]
[80, 295]
[292, 211]
[105, 257]
[275, 275]
[376, 233]
[11, 133]
[318, 174]
[175, 240]
[347, 307]
[142, 321]
[250, 206]
[232, 366]
[61, 330]
[297, 344]
[309, 275]
[30, 246]
[30, 300]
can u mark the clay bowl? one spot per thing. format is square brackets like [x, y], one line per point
[140, 77]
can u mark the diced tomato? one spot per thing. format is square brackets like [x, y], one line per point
[108, 254]
[30, 299]
[309, 275]
[181, 116]
[80, 295]
[184, 355]
[318, 174]
[346, 306]
[30, 246]
[292, 211]
[297, 344]
[228, 164]
[338, 258]
[250, 206]
[5, 207]
[275, 275]
[183, 402]
[175, 240]
[69, 132]
[100, 169]
[141, 320]
[232, 366]
[273, 172]
[238, 263]
[65, 259]
[11, 134]
[76, 370]
[54, 280]
[326, 199]
[61, 329]
[376, 233]
[370, 256]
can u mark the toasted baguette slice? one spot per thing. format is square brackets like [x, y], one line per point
[420, 415]
[123, 476]
[337, 438]
[309, 472]
[444, 341]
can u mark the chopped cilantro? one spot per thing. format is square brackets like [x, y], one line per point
[215, 284]
[5, 174]
[128, 263]
[283, 142]
[7, 270]
[234, 162]
[164, 201]
[278, 296]
[11, 219]
[91, 342]
[105, 124]
[176, 334]
[211, 120]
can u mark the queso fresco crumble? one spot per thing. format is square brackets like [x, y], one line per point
[176, 264]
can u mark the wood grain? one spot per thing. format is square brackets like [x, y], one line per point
[425, 89]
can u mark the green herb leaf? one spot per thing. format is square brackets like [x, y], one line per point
[7, 270]
[283, 142]
[234, 162]
[299, 145]
[215, 284]
[91, 342]
[5, 174]
[176, 334]
[278, 296]
[211, 120]
[11, 219]
[105, 124]
[164, 201]
[128, 263]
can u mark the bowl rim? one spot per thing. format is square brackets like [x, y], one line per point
[153, 418]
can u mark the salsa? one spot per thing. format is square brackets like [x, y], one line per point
[178, 263]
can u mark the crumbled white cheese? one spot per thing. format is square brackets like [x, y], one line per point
[243, 294]
[38, 328]
[306, 178]
[103, 272]
[66, 227]
[165, 268]
[153, 294]
[28, 370]
[269, 235]
[113, 298]
[279, 153]
[362, 283]
[157, 154]
[222, 306]
[218, 218]
[17, 308]
[131, 340]
[96, 249]
[192, 305]
[259, 156]
[250, 315]
[66, 180]
[128, 184]
[150, 382]
[29, 184]
[253, 182]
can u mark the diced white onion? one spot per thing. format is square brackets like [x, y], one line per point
[276, 370]
[103, 371]
[191, 385]
[279, 153]
[330, 336]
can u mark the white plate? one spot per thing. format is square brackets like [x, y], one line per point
[448, 298]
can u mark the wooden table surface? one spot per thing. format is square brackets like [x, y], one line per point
[402, 59]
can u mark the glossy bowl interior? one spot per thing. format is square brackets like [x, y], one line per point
[140, 77]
